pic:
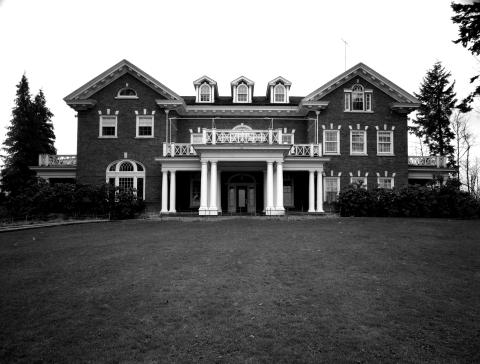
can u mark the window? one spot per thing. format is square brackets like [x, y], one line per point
[242, 93]
[288, 200]
[359, 181]
[145, 126]
[127, 93]
[195, 187]
[358, 99]
[332, 188]
[279, 93]
[358, 142]
[385, 142]
[108, 127]
[205, 93]
[331, 141]
[385, 182]
[127, 174]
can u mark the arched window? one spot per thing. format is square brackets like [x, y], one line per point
[205, 93]
[242, 93]
[279, 92]
[127, 174]
[357, 97]
[127, 93]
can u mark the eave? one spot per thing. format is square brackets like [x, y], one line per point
[404, 107]
[82, 105]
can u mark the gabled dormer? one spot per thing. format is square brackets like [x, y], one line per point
[242, 90]
[278, 90]
[205, 90]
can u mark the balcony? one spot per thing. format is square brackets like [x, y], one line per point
[241, 135]
[427, 161]
[50, 160]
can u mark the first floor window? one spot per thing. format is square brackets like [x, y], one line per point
[125, 183]
[385, 182]
[358, 142]
[145, 126]
[331, 141]
[195, 193]
[127, 175]
[108, 126]
[359, 181]
[332, 188]
[385, 142]
[288, 192]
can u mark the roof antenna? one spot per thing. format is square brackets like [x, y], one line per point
[344, 41]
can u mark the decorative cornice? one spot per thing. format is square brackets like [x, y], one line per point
[81, 105]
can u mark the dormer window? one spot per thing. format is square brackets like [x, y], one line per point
[205, 93]
[279, 92]
[127, 93]
[242, 93]
[358, 99]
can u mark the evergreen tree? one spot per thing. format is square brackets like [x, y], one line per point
[468, 19]
[432, 125]
[30, 134]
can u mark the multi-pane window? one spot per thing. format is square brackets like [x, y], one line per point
[357, 97]
[368, 101]
[279, 93]
[385, 142]
[125, 183]
[205, 93]
[126, 175]
[126, 167]
[359, 181]
[242, 93]
[385, 182]
[288, 191]
[332, 188]
[358, 142]
[108, 126]
[127, 93]
[348, 97]
[144, 126]
[331, 141]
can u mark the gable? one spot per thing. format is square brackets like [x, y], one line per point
[113, 74]
[361, 70]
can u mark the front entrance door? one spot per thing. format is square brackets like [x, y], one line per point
[242, 194]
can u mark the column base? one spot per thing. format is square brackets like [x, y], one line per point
[320, 211]
[208, 211]
[274, 211]
[311, 211]
[172, 211]
[164, 211]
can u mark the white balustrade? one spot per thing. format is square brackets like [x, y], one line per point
[428, 161]
[53, 160]
[306, 150]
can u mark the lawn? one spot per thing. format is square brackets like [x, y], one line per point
[242, 291]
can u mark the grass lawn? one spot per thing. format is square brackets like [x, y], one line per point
[242, 291]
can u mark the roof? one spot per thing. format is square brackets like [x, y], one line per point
[257, 100]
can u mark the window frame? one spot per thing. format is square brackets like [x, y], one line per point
[131, 97]
[325, 142]
[390, 143]
[195, 180]
[243, 85]
[364, 152]
[364, 184]
[392, 182]
[367, 100]
[137, 128]
[288, 181]
[200, 94]
[328, 178]
[136, 174]
[283, 93]
[101, 126]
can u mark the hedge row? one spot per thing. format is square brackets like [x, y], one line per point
[42, 199]
[412, 201]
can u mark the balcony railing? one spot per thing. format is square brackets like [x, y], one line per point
[428, 161]
[53, 160]
[242, 136]
[186, 149]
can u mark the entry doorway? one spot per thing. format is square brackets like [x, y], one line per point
[242, 195]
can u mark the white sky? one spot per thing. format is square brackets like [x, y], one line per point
[62, 44]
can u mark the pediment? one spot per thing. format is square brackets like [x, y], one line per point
[280, 79]
[204, 79]
[241, 79]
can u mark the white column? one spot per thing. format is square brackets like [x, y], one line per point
[311, 191]
[203, 190]
[274, 201]
[270, 207]
[219, 191]
[213, 189]
[264, 191]
[164, 192]
[173, 185]
[279, 207]
[319, 191]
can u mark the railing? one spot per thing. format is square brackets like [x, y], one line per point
[428, 161]
[306, 150]
[232, 136]
[53, 160]
[178, 149]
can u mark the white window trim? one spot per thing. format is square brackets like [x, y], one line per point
[391, 153]
[138, 127]
[135, 174]
[356, 178]
[247, 101]
[364, 144]
[275, 94]
[210, 87]
[338, 142]
[325, 184]
[391, 178]
[132, 97]
[347, 101]
[100, 125]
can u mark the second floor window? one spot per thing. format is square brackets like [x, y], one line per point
[205, 94]
[358, 142]
[279, 93]
[108, 126]
[331, 141]
[358, 99]
[242, 93]
[385, 142]
[145, 126]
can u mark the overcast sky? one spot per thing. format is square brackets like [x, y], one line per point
[62, 44]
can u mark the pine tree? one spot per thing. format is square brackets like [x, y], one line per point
[468, 19]
[432, 125]
[30, 134]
